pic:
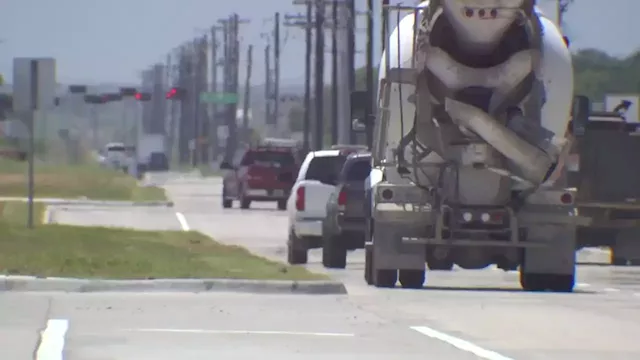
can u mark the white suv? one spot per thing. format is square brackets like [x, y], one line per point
[307, 202]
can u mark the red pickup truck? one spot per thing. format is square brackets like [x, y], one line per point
[265, 173]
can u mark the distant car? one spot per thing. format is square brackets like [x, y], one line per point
[158, 162]
[265, 173]
[116, 155]
[307, 204]
[345, 223]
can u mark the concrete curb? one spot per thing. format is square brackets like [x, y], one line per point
[94, 202]
[34, 284]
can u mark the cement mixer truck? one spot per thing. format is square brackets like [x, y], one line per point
[474, 103]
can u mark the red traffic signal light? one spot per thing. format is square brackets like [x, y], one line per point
[176, 93]
[143, 96]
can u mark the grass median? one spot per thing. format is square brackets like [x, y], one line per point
[52, 250]
[74, 181]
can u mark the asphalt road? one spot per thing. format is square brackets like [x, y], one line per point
[459, 315]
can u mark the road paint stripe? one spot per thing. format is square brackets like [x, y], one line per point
[460, 344]
[183, 221]
[242, 332]
[582, 285]
[611, 290]
[52, 340]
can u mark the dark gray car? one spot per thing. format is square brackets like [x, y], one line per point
[343, 228]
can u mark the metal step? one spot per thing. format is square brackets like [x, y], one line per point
[402, 76]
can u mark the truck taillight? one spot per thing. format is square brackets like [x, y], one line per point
[342, 198]
[300, 199]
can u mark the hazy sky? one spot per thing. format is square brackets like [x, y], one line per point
[112, 41]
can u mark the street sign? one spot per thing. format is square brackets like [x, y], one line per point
[625, 105]
[218, 98]
[33, 77]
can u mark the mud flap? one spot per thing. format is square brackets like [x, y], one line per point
[558, 257]
[390, 253]
[627, 246]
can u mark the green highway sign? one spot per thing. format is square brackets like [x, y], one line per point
[218, 98]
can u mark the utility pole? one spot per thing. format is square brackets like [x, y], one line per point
[334, 72]
[201, 109]
[351, 48]
[213, 107]
[247, 96]
[267, 85]
[306, 126]
[276, 73]
[305, 22]
[368, 113]
[319, 75]
[231, 72]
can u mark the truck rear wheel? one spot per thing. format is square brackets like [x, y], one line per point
[551, 282]
[368, 265]
[385, 278]
[334, 252]
[296, 255]
[245, 204]
[226, 203]
[412, 279]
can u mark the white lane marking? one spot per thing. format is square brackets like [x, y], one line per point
[242, 332]
[610, 290]
[460, 344]
[183, 221]
[583, 285]
[52, 340]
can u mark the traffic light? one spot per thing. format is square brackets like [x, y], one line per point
[176, 93]
[141, 96]
[95, 99]
[128, 91]
[77, 89]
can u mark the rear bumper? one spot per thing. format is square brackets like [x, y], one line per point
[307, 227]
[258, 194]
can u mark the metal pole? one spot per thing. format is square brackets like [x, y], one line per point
[368, 114]
[267, 85]
[306, 125]
[276, 70]
[334, 72]
[213, 127]
[31, 147]
[247, 95]
[232, 140]
[351, 48]
[319, 78]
